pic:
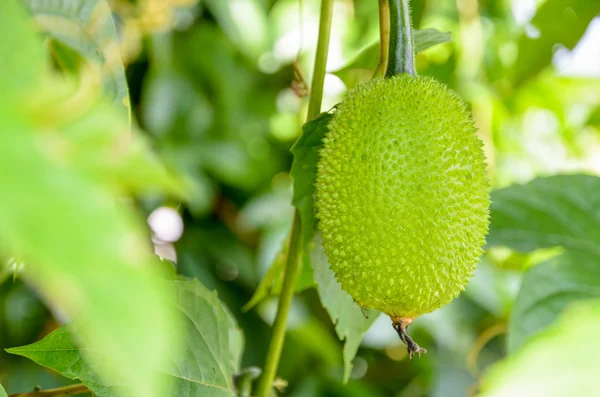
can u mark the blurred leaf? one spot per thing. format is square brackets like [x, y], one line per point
[351, 322]
[87, 27]
[594, 119]
[21, 52]
[78, 240]
[561, 210]
[103, 146]
[563, 360]
[80, 244]
[536, 53]
[427, 38]
[547, 289]
[2, 392]
[304, 171]
[244, 21]
[361, 68]
[213, 347]
[171, 105]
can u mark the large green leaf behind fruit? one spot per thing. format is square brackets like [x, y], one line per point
[561, 210]
[549, 357]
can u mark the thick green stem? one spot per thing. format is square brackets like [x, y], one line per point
[292, 267]
[401, 57]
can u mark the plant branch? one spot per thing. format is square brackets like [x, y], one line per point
[292, 270]
[292, 267]
[401, 51]
[319, 71]
[61, 391]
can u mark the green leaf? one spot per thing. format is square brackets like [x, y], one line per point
[87, 27]
[548, 212]
[535, 53]
[564, 360]
[213, 344]
[547, 289]
[351, 322]
[21, 52]
[560, 210]
[427, 38]
[2, 392]
[212, 339]
[304, 171]
[361, 68]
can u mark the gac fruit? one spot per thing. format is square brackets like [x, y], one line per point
[402, 195]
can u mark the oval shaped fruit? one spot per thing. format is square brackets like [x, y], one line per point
[402, 195]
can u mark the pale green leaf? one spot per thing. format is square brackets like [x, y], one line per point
[213, 344]
[563, 360]
[104, 146]
[563, 211]
[2, 392]
[87, 27]
[21, 51]
[351, 322]
[87, 254]
[361, 68]
[547, 289]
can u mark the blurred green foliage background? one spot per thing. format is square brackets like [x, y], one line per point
[212, 83]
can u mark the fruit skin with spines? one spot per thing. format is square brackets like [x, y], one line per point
[402, 195]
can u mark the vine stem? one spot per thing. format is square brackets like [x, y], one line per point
[61, 391]
[292, 267]
[316, 89]
[401, 57]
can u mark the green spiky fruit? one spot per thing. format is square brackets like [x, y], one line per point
[402, 195]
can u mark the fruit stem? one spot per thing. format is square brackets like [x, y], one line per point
[401, 325]
[401, 57]
[292, 267]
